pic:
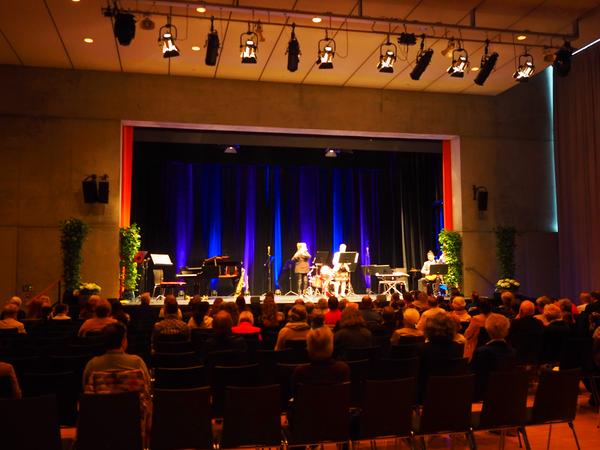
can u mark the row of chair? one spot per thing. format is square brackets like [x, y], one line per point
[322, 414]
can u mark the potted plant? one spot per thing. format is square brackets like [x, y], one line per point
[506, 245]
[129, 246]
[73, 234]
[451, 242]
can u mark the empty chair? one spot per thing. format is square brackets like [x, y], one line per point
[552, 346]
[327, 423]
[240, 376]
[233, 357]
[16, 432]
[397, 369]
[125, 430]
[179, 377]
[181, 419]
[529, 348]
[284, 379]
[267, 361]
[22, 364]
[90, 349]
[441, 368]
[447, 408]
[387, 410]
[579, 353]
[73, 363]
[64, 385]
[372, 353]
[242, 426]
[555, 401]
[359, 374]
[299, 352]
[481, 367]
[501, 411]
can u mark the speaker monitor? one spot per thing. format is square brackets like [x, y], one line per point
[482, 200]
[103, 192]
[90, 191]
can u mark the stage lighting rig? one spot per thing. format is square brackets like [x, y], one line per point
[562, 63]
[422, 61]
[526, 68]
[293, 51]
[326, 52]
[212, 45]
[488, 62]
[248, 46]
[387, 60]
[460, 63]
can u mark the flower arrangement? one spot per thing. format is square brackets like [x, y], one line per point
[87, 289]
[507, 284]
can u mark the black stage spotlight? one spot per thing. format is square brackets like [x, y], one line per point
[293, 51]
[212, 45]
[562, 63]
[124, 28]
[327, 53]
[488, 62]
[407, 39]
[387, 60]
[248, 46]
[422, 61]
[460, 62]
[526, 68]
[168, 38]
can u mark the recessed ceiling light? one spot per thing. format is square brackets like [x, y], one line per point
[201, 9]
[196, 48]
[316, 19]
[474, 69]
[521, 38]
[88, 40]
[75, 1]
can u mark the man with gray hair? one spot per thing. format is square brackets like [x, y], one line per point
[20, 313]
[10, 313]
[525, 322]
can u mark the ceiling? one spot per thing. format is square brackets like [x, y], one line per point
[50, 33]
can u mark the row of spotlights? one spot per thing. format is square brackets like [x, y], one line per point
[124, 30]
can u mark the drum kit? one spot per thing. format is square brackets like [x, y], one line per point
[320, 278]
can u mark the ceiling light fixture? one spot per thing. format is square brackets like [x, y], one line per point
[212, 45]
[88, 40]
[460, 62]
[387, 59]
[521, 37]
[124, 28]
[293, 51]
[326, 52]
[232, 149]
[549, 55]
[422, 61]
[147, 24]
[201, 9]
[474, 68]
[248, 46]
[331, 152]
[488, 62]
[526, 68]
[196, 48]
[316, 19]
[168, 38]
[447, 52]
[562, 63]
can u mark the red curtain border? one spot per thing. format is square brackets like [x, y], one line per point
[126, 169]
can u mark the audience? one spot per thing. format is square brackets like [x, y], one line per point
[223, 338]
[232, 309]
[246, 325]
[366, 310]
[322, 305]
[484, 306]
[432, 310]
[334, 314]
[296, 328]
[39, 308]
[553, 317]
[540, 303]
[458, 309]
[20, 314]
[192, 309]
[171, 324]
[240, 301]
[201, 319]
[118, 313]
[61, 312]
[525, 322]
[215, 307]
[352, 333]
[497, 327]
[10, 318]
[269, 313]
[410, 319]
[584, 298]
[103, 310]
[7, 370]
[317, 320]
[114, 337]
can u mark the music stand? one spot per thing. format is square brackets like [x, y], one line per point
[383, 269]
[350, 258]
[320, 258]
[140, 259]
[288, 266]
[438, 269]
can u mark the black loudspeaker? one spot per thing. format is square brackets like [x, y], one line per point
[103, 192]
[90, 191]
[482, 199]
[254, 300]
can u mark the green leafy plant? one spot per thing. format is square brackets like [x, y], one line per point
[73, 234]
[506, 246]
[451, 245]
[129, 246]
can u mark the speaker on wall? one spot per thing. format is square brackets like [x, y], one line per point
[482, 201]
[90, 190]
[103, 192]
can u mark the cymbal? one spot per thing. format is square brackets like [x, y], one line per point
[413, 270]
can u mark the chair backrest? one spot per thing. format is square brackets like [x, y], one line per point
[15, 424]
[181, 419]
[240, 376]
[182, 346]
[529, 348]
[124, 431]
[578, 353]
[387, 410]
[267, 361]
[359, 374]
[5, 387]
[556, 396]
[252, 417]
[372, 353]
[411, 340]
[483, 337]
[65, 385]
[401, 351]
[158, 276]
[179, 378]
[187, 359]
[500, 410]
[482, 366]
[321, 414]
[299, 352]
[397, 369]
[447, 406]
[553, 342]
[283, 375]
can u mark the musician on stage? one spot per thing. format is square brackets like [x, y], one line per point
[425, 270]
[341, 273]
[302, 267]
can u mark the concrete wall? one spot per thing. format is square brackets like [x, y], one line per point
[57, 126]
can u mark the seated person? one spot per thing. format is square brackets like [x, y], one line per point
[334, 314]
[410, 319]
[246, 325]
[366, 309]
[172, 323]
[352, 333]
[16, 301]
[296, 328]
[223, 339]
[114, 338]
[102, 319]
[6, 370]
[388, 326]
[10, 318]
[88, 311]
[200, 318]
[61, 312]
[458, 309]
[553, 316]
[322, 368]
[497, 327]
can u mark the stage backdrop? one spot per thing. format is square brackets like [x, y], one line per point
[194, 202]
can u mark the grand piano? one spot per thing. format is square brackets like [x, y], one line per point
[216, 267]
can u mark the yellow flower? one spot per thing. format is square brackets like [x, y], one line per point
[517, 283]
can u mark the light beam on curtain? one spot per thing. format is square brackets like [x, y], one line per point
[277, 265]
[250, 224]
